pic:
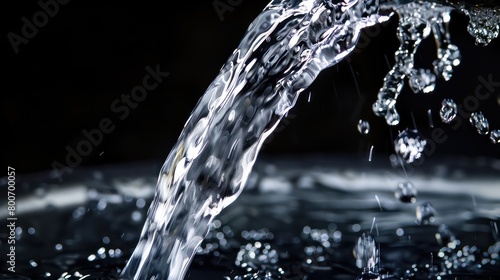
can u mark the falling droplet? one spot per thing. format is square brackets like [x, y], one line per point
[425, 213]
[481, 124]
[363, 127]
[422, 80]
[409, 145]
[495, 136]
[406, 192]
[448, 110]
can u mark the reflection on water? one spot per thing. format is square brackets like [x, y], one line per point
[297, 219]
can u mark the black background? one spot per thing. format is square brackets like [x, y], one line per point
[66, 77]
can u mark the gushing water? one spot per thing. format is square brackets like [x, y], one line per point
[283, 51]
[281, 54]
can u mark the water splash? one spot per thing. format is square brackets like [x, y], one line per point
[416, 22]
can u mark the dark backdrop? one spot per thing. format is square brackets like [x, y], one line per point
[65, 78]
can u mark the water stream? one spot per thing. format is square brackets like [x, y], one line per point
[303, 218]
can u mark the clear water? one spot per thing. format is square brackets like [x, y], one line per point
[283, 51]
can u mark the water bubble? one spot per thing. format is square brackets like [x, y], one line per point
[97, 175]
[422, 80]
[106, 240]
[409, 145]
[356, 227]
[31, 230]
[495, 136]
[425, 213]
[136, 216]
[400, 232]
[101, 205]
[337, 236]
[363, 127]
[406, 192]
[448, 110]
[140, 203]
[59, 247]
[216, 224]
[365, 252]
[79, 212]
[481, 124]
[256, 255]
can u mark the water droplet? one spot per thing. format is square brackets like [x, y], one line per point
[59, 247]
[422, 80]
[409, 145]
[33, 263]
[400, 232]
[448, 110]
[365, 252]
[425, 213]
[406, 192]
[448, 58]
[495, 136]
[363, 127]
[481, 124]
